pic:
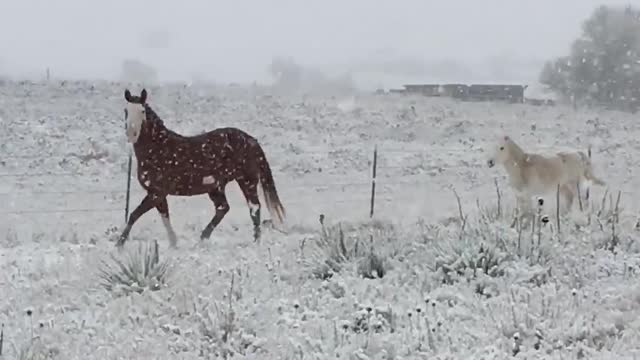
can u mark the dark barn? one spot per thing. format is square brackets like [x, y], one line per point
[424, 89]
[510, 93]
[475, 92]
[456, 91]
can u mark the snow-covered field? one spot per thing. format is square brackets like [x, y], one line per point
[63, 157]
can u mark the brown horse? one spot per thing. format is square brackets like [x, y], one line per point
[173, 164]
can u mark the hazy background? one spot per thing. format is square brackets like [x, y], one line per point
[235, 40]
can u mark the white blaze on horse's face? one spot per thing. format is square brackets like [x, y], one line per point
[135, 115]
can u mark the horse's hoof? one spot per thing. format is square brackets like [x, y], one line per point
[121, 240]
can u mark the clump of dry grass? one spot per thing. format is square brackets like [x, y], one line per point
[222, 326]
[345, 245]
[35, 347]
[35, 350]
[136, 271]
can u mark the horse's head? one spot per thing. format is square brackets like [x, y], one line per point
[501, 153]
[135, 114]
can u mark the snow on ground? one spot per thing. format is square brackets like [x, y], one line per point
[63, 157]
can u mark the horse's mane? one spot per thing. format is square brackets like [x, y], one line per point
[151, 115]
[157, 121]
[514, 148]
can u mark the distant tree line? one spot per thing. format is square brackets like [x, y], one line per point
[136, 71]
[603, 67]
[291, 76]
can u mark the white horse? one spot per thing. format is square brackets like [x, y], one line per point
[537, 175]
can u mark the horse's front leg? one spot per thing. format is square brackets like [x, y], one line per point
[148, 203]
[163, 208]
[568, 193]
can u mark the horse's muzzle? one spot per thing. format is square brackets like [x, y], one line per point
[132, 136]
[490, 163]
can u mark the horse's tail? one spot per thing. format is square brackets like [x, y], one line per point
[591, 177]
[269, 188]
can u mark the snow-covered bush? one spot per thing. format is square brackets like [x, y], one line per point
[485, 244]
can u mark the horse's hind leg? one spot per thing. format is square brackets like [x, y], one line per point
[163, 209]
[147, 204]
[250, 190]
[222, 208]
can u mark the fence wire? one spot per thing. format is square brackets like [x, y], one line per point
[394, 164]
[350, 189]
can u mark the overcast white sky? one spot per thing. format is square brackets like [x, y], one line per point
[234, 40]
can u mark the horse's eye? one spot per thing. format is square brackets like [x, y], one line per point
[501, 148]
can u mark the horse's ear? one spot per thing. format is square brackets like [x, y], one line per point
[127, 95]
[143, 96]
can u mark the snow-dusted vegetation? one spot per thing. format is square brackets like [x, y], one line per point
[426, 277]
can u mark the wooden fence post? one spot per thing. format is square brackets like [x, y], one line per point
[128, 195]
[587, 196]
[373, 180]
[558, 206]
[1, 338]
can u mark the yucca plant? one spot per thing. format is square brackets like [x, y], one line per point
[137, 270]
[333, 250]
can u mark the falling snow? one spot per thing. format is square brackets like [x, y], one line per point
[577, 299]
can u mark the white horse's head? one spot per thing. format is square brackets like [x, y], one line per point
[502, 152]
[135, 114]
